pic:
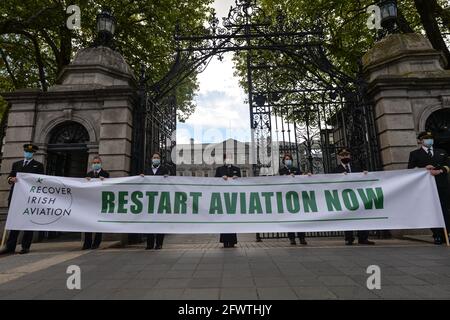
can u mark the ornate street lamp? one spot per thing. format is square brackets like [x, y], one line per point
[106, 26]
[388, 9]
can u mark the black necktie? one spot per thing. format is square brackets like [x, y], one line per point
[429, 152]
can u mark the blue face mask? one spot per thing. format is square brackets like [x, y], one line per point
[28, 155]
[288, 163]
[96, 166]
[156, 162]
[428, 142]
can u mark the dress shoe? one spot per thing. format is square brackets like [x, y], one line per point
[367, 242]
[258, 240]
[158, 247]
[24, 251]
[348, 242]
[148, 248]
[293, 242]
[303, 241]
[94, 247]
[6, 251]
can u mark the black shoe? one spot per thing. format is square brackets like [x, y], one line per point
[293, 242]
[158, 247]
[24, 251]
[367, 242]
[303, 241]
[94, 247]
[348, 242]
[85, 248]
[258, 240]
[7, 251]
[148, 248]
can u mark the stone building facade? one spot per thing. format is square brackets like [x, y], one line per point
[87, 113]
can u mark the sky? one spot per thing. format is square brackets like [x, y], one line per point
[221, 111]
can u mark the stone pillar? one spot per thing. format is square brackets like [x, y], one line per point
[407, 83]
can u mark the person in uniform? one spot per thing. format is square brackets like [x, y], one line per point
[288, 169]
[29, 165]
[97, 172]
[155, 241]
[226, 171]
[346, 166]
[436, 161]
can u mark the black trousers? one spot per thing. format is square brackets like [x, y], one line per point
[363, 235]
[12, 239]
[300, 235]
[88, 240]
[228, 239]
[439, 232]
[151, 237]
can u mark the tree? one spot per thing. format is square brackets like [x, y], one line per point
[35, 43]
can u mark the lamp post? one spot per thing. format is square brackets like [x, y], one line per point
[388, 10]
[105, 27]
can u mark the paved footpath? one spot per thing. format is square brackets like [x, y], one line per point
[196, 267]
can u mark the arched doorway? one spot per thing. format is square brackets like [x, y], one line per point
[439, 124]
[67, 156]
[67, 152]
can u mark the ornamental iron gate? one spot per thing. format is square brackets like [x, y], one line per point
[300, 103]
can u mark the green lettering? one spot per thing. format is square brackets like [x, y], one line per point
[122, 202]
[309, 201]
[164, 203]
[180, 202]
[371, 197]
[107, 202]
[230, 203]
[255, 203]
[216, 203]
[195, 196]
[350, 199]
[151, 200]
[268, 201]
[280, 202]
[137, 203]
[333, 202]
[292, 202]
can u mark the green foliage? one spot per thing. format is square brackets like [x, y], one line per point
[34, 38]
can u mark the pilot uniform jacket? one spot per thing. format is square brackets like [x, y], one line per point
[419, 158]
[363, 235]
[33, 166]
[229, 171]
[101, 173]
[353, 168]
[284, 171]
[161, 171]
[157, 238]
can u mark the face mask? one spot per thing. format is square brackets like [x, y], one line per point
[288, 163]
[345, 160]
[156, 162]
[428, 142]
[28, 155]
[96, 166]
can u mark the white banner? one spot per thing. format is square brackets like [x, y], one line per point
[403, 199]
